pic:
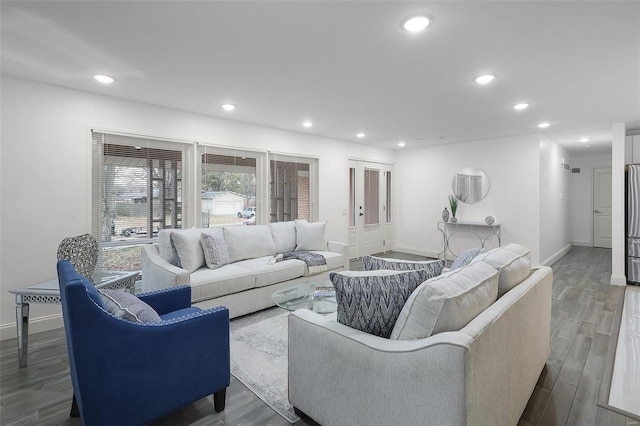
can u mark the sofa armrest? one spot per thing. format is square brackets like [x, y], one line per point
[359, 378]
[168, 300]
[341, 248]
[157, 273]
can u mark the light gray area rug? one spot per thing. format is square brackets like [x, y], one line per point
[259, 357]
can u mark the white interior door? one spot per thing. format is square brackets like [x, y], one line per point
[367, 205]
[602, 208]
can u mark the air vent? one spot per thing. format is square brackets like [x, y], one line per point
[575, 170]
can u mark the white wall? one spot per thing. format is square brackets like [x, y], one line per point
[554, 201]
[425, 176]
[45, 172]
[618, 242]
[581, 195]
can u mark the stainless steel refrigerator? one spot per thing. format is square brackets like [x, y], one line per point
[633, 223]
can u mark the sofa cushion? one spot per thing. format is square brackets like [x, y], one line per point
[211, 283]
[447, 302]
[371, 301]
[512, 261]
[166, 248]
[372, 263]
[465, 258]
[310, 235]
[270, 273]
[127, 306]
[214, 248]
[187, 243]
[284, 235]
[248, 242]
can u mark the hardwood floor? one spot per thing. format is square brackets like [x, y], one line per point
[583, 312]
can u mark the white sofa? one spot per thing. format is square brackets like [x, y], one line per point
[245, 284]
[481, 374]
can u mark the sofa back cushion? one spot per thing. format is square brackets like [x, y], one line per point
[311, 235]
[513, 263]
[166, 248]
[447, 302]
[371, 301]
[284, 235]
[248, 242]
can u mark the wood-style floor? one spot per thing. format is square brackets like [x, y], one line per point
[583, 311]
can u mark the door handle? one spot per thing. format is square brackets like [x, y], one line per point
[597, 211]
[361, 214]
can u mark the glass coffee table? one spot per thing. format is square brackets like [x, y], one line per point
[317, 296]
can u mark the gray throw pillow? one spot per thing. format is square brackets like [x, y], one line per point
[214, 248]
[371, 263]
[371, 301]
[465, 258]
[127, 306]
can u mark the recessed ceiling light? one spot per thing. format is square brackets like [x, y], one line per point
[416, 23]
[520, 107]
[544, 125]
[583, 140]
[485, 78]
[361, 135]
[307, 123]
[104, 79]
[401, 144]
[228, 107]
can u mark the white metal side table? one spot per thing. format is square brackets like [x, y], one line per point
[49, 292]
[480, 230]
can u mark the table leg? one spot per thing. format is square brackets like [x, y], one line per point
[22, 326]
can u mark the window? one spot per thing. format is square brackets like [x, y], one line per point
[292, 188]
[228, 186]
[352, 196]
[138, 187]
[371, 196]
[388, 192]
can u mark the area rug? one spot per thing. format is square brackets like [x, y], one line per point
[259, 358]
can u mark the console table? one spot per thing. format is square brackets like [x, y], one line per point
[479, 230]
[49, 292]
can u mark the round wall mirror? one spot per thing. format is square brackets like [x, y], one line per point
[470, 185]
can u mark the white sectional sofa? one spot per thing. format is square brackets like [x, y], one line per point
[481, 372]
[246, 279]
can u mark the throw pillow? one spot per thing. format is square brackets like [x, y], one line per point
[311, 235]
[372, 263]
[465, 258]
[187, 242]
[284, 235]
[127, 306]
[512, 261]
[371, 301]
[248, 242]
[214, 248]
[447, 302]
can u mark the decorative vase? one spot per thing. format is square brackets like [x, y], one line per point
[454, 219]
[445, 215]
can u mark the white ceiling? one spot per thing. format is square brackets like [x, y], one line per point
[348, 66]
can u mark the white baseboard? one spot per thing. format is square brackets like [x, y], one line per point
[582, 243]
[417, 251]
[36, 325]
[620, 280]
[557, 255]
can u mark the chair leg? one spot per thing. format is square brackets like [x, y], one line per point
[75, 412]
[219, 399]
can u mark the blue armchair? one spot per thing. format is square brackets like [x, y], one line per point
[131, 373]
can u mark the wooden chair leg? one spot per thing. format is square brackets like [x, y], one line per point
[219, 399]
[75, 412]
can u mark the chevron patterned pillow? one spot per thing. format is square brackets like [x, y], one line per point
[371, 301]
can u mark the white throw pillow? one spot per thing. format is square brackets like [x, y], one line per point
[512, 261]
[284, 235]
[447, 302]
[187, 242]
[310, 235]
[248, 242]
[127, 306]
